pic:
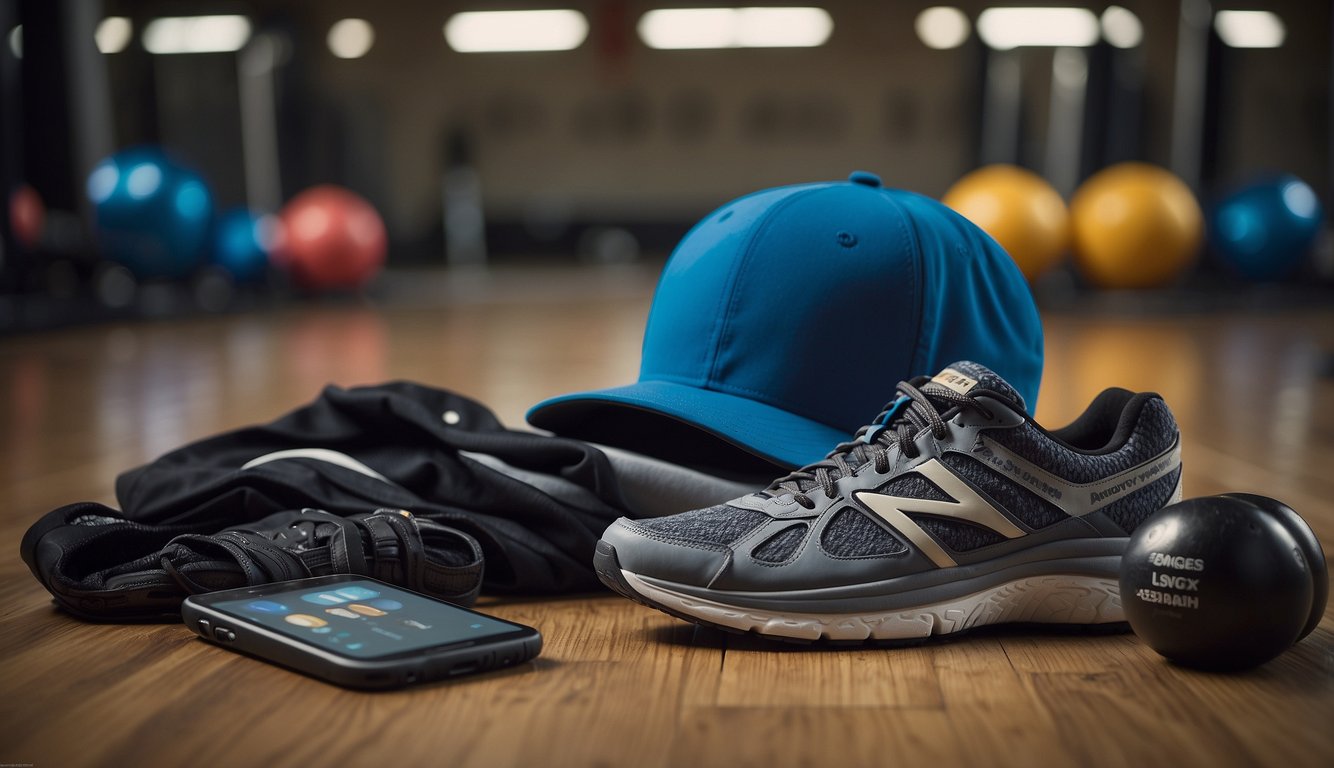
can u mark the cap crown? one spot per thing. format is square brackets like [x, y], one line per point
[818, 298]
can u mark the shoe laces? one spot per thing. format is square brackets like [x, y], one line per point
[907, 416]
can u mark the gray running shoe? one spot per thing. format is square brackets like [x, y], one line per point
[953, 510]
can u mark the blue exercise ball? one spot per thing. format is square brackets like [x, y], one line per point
[152, 214]
[242, 242]
[1264, 229]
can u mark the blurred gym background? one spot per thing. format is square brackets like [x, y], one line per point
[193, 156]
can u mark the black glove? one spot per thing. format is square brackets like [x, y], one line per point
[102, 567]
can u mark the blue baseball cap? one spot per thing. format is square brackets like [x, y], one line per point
[783, 321]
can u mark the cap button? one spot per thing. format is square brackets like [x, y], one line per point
[865, 178]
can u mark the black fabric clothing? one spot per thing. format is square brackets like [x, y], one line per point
[398, 445]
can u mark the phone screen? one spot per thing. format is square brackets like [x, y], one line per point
[364, 619]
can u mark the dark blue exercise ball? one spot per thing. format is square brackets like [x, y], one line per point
[1264, 229]
[242, 242]
[152, 214]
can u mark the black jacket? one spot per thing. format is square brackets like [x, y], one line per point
[399, 445]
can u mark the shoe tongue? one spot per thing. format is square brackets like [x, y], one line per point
[965, 377]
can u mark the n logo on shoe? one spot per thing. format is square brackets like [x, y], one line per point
[968, 506]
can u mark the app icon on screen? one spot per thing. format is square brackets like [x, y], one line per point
[357, 593]
[266, 606]
[324, 598]
[355, 646]
[365, 610]
[304, 620]
[385, 604]
[322, 630]
[345, 613]
[415, 624]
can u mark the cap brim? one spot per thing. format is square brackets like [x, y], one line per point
[771, 433]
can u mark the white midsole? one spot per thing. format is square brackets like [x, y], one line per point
[1049, 599]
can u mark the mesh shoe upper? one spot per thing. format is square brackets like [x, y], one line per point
[951, 473]
[721, 524]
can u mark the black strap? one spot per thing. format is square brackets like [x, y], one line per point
[398, 546]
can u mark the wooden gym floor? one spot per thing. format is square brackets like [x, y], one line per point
[618, 684]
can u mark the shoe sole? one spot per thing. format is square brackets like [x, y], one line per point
[1071, 601]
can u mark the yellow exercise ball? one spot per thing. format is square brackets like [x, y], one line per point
[1135, 226]
[1020, 210]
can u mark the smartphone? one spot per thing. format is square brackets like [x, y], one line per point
[358, 632]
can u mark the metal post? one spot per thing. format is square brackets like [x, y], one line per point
[1002, 108]
[259, 123]
[1188, 97]
[1065, 126]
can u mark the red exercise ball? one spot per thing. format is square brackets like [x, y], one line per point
[331, 239]
[27, 216]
